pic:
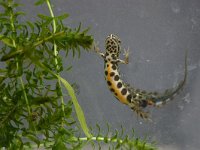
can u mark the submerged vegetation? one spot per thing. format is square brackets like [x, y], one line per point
[36, 103]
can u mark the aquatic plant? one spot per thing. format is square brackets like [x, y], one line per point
[36, 103]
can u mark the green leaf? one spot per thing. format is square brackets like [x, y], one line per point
[68, 110]
[19, 13]
[10, 55]
[78, 108]
[44, 17]
[4, 20]
[6, 40]
[79, 28]
[68, 68]
[39, 2]
[61, 17]
[34, 139]
[59, 145]
[30, 24]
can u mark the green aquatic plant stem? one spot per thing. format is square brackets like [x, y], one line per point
[48, 38]
[11, 44]
[137, 143]
[52, 15]
[20, 50]
[56, 54]
[78, 109]
[17, 64]
[54, 31]
[25, 96]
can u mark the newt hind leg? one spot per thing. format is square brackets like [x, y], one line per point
[141, 113]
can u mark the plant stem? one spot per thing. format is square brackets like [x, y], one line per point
[17, 64]
[48, 38]
[56, 55]
[137, 143]
[25, 95]
[7, 42]
[116, 140]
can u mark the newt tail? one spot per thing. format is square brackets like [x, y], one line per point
[168, 95]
